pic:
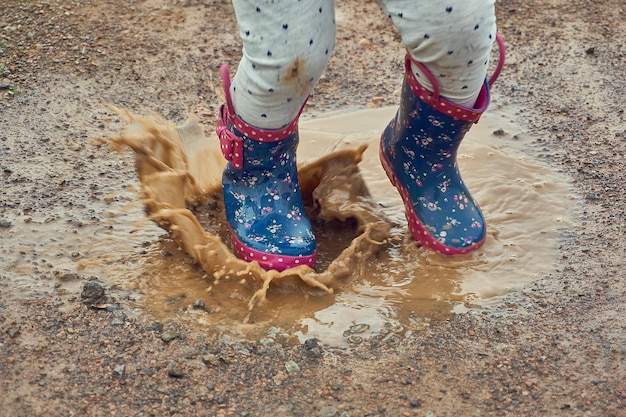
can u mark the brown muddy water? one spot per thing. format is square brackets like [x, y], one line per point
[371, 280]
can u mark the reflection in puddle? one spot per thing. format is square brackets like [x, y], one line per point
[372, 280]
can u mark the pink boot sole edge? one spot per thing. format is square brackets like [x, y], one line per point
[270, 261]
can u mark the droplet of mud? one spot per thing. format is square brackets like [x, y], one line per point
[393, 327]
[392, 340]
[359, 328]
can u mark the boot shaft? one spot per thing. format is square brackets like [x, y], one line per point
[271, 155]
[435, 124]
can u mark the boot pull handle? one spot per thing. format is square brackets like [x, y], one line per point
[226, 84]
[500, 65]
[231, 145]
[492, 79]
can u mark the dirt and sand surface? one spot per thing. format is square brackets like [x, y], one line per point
[72, 224]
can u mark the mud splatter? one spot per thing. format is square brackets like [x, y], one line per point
[169, 159]
[293, 71]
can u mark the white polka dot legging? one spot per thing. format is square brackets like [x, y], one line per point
[287, 44]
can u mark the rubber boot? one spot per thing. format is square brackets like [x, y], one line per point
[418, 151]
[262, 195]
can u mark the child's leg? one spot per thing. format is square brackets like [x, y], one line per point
[286, 46]
[452, 38]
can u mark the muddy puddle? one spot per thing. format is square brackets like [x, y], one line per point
[167, 243]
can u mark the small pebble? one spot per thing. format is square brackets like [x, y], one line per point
[119, 371]
[328, 411]
[168, 336]
[175, 371]
[313, 348]
[93, 292]
[291, 367]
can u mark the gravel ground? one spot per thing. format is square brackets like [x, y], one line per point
[77, 345]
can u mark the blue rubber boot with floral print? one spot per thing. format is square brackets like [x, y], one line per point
[262, 196]
[418, 151]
